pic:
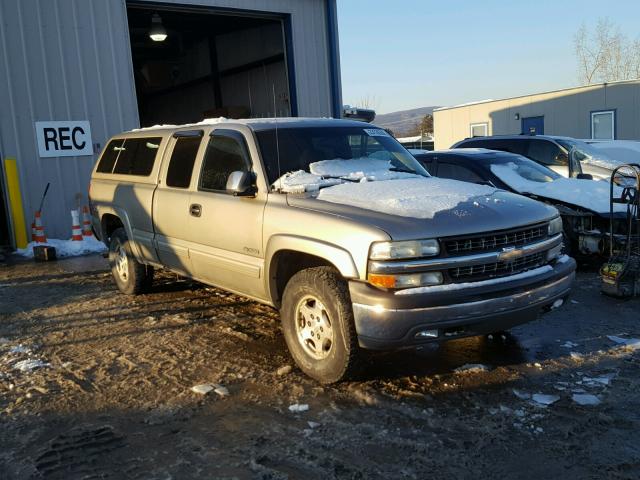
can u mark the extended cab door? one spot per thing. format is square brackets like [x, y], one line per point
[172, 199]
[225, 231]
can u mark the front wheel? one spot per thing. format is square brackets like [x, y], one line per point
[317, 322]
[131, 276]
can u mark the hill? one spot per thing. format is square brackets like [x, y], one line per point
[403, 121]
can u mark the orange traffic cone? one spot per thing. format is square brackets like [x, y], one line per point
[76, 231]
[33, 231]
[39, 229]
[86, 222]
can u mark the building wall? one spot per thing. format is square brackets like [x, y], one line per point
[71, 60]
[566, 112]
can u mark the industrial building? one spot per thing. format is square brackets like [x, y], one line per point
[606, 111]
[75, 72]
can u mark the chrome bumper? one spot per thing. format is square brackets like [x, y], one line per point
[383, 326]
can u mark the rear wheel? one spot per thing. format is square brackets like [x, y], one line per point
[131, 276]
[317, 322]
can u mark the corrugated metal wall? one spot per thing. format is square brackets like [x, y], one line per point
[71, 60]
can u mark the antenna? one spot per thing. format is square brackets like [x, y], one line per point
[275, 112]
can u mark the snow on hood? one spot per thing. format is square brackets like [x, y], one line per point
[590, 194]
[410, 197]
[323, 174]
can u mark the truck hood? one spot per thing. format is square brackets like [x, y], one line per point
[426, 207]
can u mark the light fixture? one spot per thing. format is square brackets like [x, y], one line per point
[157, 33]
[517, 116]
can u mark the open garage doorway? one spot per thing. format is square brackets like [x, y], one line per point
[212, 63]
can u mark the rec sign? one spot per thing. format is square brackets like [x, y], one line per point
[64, 139]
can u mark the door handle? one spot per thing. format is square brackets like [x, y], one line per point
[195, 210]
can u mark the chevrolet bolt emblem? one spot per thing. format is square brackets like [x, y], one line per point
[509, 254]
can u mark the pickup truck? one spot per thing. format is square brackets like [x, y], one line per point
[333, 223]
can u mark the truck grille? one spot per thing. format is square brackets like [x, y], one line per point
[494, 241]
[499, 269]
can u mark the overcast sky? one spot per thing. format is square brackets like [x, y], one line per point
[416, 53]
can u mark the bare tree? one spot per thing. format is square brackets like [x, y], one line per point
[605, 54]
[368, 101]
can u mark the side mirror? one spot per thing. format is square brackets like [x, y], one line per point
[241, 184]
[584, 176]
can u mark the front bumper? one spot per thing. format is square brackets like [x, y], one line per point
[387, 321]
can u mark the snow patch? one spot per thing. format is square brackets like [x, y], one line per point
[632, 343]
[202, 389]
[29, 365]
[544, 399]
[298, 407]
[590, 194]
[569, 344]
[415, 197]
[585, 399]
[472, 368]
[67, 248]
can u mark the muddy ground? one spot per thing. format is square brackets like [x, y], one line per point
[112, 395]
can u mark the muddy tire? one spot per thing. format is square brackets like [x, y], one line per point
[317, 322]
[131, 276]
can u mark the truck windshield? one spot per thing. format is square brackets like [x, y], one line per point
[304, 159]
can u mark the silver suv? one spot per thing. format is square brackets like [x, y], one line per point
[334, 223]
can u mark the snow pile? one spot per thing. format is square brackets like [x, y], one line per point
[333, 172]
[465, 285]
[590, 194]
[414, 197]
[67, 248]
[301, 181]
[358, 168]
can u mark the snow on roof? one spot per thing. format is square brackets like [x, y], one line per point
[417, 138]
[412, 197]
[466, 104]
[258, 123]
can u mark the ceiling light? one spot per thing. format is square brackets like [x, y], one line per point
[157, 33]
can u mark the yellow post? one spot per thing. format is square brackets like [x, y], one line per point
[15, 202]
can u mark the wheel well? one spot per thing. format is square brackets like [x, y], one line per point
[285, 264]
[109, 223]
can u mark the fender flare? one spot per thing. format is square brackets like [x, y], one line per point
[340, 258]
[124, 218]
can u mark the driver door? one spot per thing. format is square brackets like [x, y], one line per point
[225, 231]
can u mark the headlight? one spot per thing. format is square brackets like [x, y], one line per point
[405, 280]
[555, 226]
[406, 249]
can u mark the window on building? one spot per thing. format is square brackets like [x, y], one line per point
[603, 125]
[479, 129]
[225, 154]
[137, 156]
[182, 159]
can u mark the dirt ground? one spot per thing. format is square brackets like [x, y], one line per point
[111, 395]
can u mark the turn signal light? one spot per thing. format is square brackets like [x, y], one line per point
[382, 281]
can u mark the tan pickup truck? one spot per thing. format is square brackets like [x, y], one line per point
[334, 223]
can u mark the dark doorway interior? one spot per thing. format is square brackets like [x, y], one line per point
[211, 64]
[533, 126]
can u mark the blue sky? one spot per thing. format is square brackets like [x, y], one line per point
[411, 53]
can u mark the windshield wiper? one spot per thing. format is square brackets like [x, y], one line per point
[346, 179]
[402, 170]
